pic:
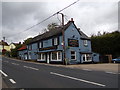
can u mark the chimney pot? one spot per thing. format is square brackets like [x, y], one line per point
[71, 19]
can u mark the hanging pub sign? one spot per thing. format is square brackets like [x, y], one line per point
[73, 43]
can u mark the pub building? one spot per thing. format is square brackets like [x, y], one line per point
[64, 44]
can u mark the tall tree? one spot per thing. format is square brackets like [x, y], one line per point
[52, 26]
[108, 43]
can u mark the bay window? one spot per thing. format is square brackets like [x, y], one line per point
[41, 56]
[56, 56]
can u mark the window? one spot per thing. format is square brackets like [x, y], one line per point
[30, 47]
[73, 55]
[59, 55]
[86, 57]
[41, 56]
[40, 44]
[55, 41]
[85, 43]
[56, 56]
[29, 55]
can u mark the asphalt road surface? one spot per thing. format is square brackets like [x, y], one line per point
[22, 74]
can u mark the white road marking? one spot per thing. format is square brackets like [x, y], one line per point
[3, 73]
[87, 69]
[111, 72]
[78, 79]
[12, 81]
[15, 64]
[31, 68]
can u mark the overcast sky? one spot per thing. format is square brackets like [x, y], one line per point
[89, 15]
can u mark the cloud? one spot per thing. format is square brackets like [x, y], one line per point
[91, 17]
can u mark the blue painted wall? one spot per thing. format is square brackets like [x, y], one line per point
[71, 30]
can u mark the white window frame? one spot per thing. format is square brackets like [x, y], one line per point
[40, 44]
[85, 42]
[85, 55]
[29, 55]
[42, 55]
[74, 55]
[57, 56]
[55, 41]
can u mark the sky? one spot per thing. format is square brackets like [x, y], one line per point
[90, 16]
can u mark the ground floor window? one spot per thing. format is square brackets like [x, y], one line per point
[56, 56]
[73, 55]
[29, 55]
[86, 57]
[25, 56]
[41, 56]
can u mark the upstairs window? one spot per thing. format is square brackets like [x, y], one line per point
[55, 41]
[30, 47]
[40, 45]
[85, 42]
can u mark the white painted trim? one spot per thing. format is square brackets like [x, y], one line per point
[3, 73]
[75, 55]
[82, 80]
[57, 56]
[55, 41]
[12, 81]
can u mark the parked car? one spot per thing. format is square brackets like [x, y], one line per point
[116, 60]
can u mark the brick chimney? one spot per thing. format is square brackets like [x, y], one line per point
[71, 19]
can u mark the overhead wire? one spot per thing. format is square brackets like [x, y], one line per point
[45, 19]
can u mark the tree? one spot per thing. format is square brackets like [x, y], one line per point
[14, 52]
[27, 41]
[52, 26]
[108, 43]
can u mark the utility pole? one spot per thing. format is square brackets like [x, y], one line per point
[63, 40]
[3, 41]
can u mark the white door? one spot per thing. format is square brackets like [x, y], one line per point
[48, 57]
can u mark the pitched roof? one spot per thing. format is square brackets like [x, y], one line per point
[51, 33]
[3, 43]
[15, 44]
[83, 35]
[55, 32]
[23, 47]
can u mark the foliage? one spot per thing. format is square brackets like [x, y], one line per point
[52, 26]
[107, 43]
[7, 53]
[27, 41]
[14, 52]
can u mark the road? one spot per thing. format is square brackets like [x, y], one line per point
[22, 74]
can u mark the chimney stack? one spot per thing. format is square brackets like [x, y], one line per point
[71, 19]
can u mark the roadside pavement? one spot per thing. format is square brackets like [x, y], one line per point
[109, 67]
